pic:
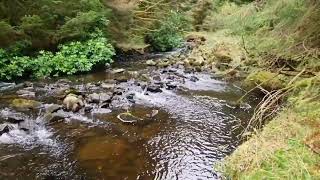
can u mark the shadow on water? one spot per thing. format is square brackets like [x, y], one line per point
[196, 125]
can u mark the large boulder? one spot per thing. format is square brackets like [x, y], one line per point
[25, 104]
[12, 116]
[99, 98]
[73, 102]
[55, 117]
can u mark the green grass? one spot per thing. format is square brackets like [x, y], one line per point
[289, 29]
[286, 147]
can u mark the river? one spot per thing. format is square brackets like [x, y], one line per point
[196, 123]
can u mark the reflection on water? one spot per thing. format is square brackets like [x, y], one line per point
[193, 129]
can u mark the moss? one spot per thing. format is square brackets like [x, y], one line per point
[267, 80]
[25, 104]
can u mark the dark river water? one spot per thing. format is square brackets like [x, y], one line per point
[196, 126]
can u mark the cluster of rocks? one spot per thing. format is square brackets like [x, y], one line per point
[12, 120]
[223, 59]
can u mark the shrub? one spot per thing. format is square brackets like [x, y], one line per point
[12, 66]
[81, 25]
[74, 57]
[168, 32]
[71, 58]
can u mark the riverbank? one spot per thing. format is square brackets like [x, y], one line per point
[287, 147]
[279, 45]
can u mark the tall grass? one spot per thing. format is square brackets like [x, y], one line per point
[281, 30]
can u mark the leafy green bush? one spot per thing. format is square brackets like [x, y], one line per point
[71, 58]
[79, 26]
[12, 66]
[46, 23]
[168, 32]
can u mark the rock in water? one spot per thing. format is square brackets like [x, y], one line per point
[6, 127]
[26, 93]
[154, 88]
[116, 71]
[151, 63]
[94, 98]
[5, 86]
[55, 117]
[73, 103]
[194, 79]
[12, 116]
[51, 108]
[107, 85]
[153, 113]
[128, 118]
[25, 104]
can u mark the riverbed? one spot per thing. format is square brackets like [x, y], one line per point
[181, 123]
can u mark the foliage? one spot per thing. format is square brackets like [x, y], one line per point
[79, 26]
[168, 32]
[46, 23]
[12, 66]
[71, 58]
[274, 32]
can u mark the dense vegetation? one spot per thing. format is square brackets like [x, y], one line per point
[41, 38]
[44, 38]
[280, 39]
[168, 33]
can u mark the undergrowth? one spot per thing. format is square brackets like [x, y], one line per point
[276, 33]
[278, 36]
[288, 146]
[71, 58]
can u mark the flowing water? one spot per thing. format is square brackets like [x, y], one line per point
[197, 125]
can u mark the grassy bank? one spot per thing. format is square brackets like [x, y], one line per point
[288, 147]
[280, 38]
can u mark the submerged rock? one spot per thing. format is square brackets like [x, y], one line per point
[128, 118]
[154, 88]
[104, 148]
[73, 102]
[153, 113]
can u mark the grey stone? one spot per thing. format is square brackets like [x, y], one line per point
[6, 127]
[116, 71]
[154, 88]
